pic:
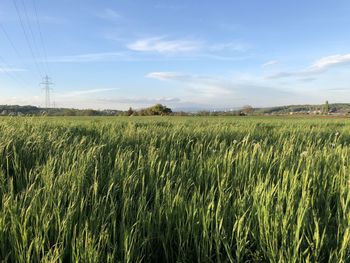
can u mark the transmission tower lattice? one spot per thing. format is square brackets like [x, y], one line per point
[47, 83]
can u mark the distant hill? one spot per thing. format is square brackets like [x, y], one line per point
[334, 109]
[16, 110]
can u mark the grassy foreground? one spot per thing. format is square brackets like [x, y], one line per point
[174, 190]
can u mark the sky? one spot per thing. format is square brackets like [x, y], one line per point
[186, 54]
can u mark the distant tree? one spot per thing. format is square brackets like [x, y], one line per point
[69, 112]
[247, 109]
[181, 113]
[88, 112]
[326, 107]
[203, 113]
[158, 109]
[130, 111]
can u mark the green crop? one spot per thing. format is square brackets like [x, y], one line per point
[171, 189]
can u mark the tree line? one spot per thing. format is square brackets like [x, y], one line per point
[162, 110]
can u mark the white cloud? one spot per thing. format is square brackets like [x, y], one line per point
[109, 14]
[91, 57]
[221, 91]
[330, 61]
[229, 27]
[84, 92]
[169, 6]
[168, 76]
[269, 63]
[317, 67]
[198, 48]
[21, 100]
[230, 46]
[202, 85]
[141, 100]
[132, 56]
[163, 45]
[4, 70]
[31, 18]
[185, 49]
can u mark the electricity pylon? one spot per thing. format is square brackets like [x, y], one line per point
[47, 83]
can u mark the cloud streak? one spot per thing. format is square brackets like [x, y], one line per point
[206, 86]
[269, 63]
[221, 90]
[109, 14]
[131, 56]
[319, 66]
[169, 76]
[230, 46]
[5, 70]
[90, 57]
[85, 92]
[141, 101]
[163, 45]
[161, 49]
[331, 61]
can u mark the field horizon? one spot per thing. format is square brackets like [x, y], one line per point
[330, 109]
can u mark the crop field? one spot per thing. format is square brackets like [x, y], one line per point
[174, 189]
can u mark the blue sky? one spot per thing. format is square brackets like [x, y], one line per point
[184, 53]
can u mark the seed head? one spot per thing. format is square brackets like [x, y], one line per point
[303, 154]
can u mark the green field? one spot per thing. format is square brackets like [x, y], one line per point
[168, 189]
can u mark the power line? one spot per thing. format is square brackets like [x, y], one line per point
[10, 73]
[6, 71]
[27, 37]
[31, 33]
[7, 36]
[41, 35]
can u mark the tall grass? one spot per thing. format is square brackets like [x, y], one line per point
[174, 190]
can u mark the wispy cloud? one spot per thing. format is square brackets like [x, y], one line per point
[109, 14]
[317, 67]
[329, 61]
[269, 63]
[74, 93]
[206, 86]
[46, 19]
[169, 6]
[185, 49]
[221, 90]
[339, 90]
[4, 70]
[141, 100]
[21, 100]
[163, 45]
[169, 76]
[159, 49]
[230, 27]
[308, 79]
[235, 46]
[91, 57]
[132, 56]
